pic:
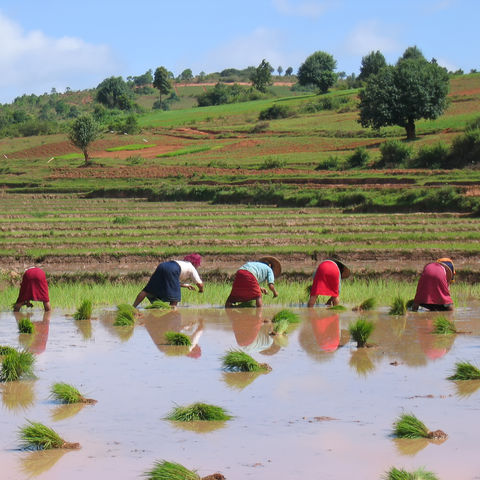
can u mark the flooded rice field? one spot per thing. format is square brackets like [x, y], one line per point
[325, 410]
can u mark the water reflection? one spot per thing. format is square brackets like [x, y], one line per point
[84, 327]
[434, 346]
[122, 333]
[466, 388]
[35, 342]
[62, 412]
[199, 426]
[361, 362]
[251, 333]
[18, 395]
[171, 321]
[38, 462]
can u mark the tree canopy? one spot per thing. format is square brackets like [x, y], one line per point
[318, 70]
[161, 81]
[371, 64]
[399, 95]
[83, 131]
[113, 92]
[261, 77]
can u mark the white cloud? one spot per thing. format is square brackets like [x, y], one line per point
[250, 50]
[451, 67]
[370, 36]
[312, 9]
[34, 62]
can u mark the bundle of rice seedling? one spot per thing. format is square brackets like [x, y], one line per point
[249, 304]
[36, 436]
[465, 371]
[16, 365]
[420, 474]
[368, 304]
[409, 426]
[158, 304]
[443, 326]
[361, 330]
[125, 315]
[5, 350]
[198, 411]
[170, 471]
[25, 325]
[280, 327]
[84, 311]
[398, 307]
[177, 338]
[287, 315]
[338, 308]
[65, 393]
[238, 361]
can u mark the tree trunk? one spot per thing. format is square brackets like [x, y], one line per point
[87, 158]
[410, 128]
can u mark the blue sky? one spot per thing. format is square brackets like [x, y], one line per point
[77, 44]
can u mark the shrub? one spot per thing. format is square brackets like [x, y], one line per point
[473, 125]
[432, 156]
[393, 154]
[122, 220]
[275, 112]
[260, 127]
[272, 163]
[331, 163]
[466, 149]
[358, 159]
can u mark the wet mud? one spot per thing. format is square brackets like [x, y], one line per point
[325, 410]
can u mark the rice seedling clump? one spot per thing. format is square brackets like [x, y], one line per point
[360, 330]
[158, 304]
[176, 338]
[65, 393]
[36, 436]
[368, 304]
[409, 426]
[465, 371]
[5, 350]
[338, 308]
[443, 326]
[25, 325]
[125, 315]
[84, 311]
[238, 361]
[170, 471]
[249, 304]
[16, 365]
[398, 307]
[125, 307]
[420, 474]
[198, 411]
[287, 315]
[280, 327]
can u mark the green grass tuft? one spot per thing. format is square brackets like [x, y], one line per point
[420, 474]
[5, 350]
[25, 325]
[238, 361]
[16, 365]
[170, 471]
[360, 330]
[287, 315]
[443, 326]
[368, 304]
[158, 304]
[398, 307]
[84, 311]
[176, 338]
[409, 426]
[36, 436]
[65, 393]
[198, 411]
[465, 371]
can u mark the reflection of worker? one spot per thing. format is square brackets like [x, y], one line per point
[246, 285]
[433, 291]
[250, 332]
[434, 346]
[34, 287]
[166, 282]
[327, 281]
[40, 334]
[326, 331]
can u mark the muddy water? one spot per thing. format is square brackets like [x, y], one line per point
[324, 411]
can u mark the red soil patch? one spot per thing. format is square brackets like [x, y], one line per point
[473, 91]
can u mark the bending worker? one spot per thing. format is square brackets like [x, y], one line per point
[166, 282]
[34, 287]
[246, 284]
[433, 291]
[327, 281]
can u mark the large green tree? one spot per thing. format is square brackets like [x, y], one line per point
[261, 77]
[113, 92]
[399, 95]
[83, 131]
[318, 69]
[161, 81]
[371, 65]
